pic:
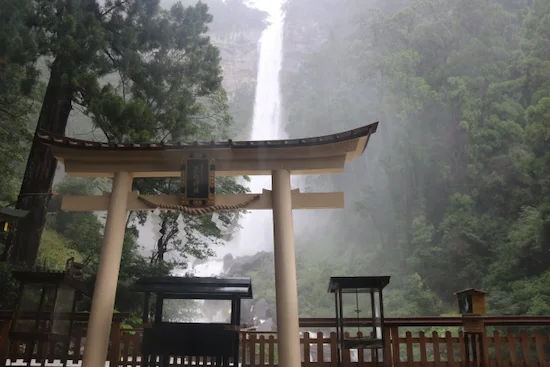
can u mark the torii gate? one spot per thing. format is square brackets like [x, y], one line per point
[278, 158]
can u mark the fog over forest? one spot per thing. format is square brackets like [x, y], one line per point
[452, 191]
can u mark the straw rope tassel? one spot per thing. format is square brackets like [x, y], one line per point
[199, 211]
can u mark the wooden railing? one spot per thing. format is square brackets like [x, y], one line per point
[57, 353]
[424, 349]
[411, 342]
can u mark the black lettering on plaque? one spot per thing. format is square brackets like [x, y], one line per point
[197, 180]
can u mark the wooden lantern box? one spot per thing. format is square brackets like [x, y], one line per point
[188, 335]
[9, 218]
[374, 338]
[471, 302]
[472, 305]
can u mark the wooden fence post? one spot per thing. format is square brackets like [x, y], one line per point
[116, 336]
[333, 350]
[484, 346]
[387, 347]
[4, 342]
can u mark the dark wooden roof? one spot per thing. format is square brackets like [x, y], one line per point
[470, 291]
[11, 214]
[358, 284]
[196, 287]
[51, 277]
[51, 139]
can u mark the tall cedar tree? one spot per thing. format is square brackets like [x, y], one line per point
[16, 101]
[164, 62]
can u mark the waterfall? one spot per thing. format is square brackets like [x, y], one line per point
[209, 268]
[256, 233]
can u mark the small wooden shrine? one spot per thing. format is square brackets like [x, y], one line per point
[471, 301]
[9, 217]
[472, 306]
[46, 306]
[370, 328]
[177, 329]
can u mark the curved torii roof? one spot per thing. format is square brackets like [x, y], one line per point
[323, 154]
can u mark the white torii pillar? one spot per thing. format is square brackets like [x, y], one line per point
[286, 288]
[103, 300]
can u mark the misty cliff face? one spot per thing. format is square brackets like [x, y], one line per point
[308, 23]
[311, 23]
[236, 30]
[259, 311]
[239, 52]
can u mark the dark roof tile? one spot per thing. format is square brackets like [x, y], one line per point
[320, 140]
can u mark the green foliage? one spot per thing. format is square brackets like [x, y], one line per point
[17, 102]
[453, 192]
[242, 110]
[140, 72]
[8, 286]
[83, 230]
[55, 250]
[80, 234]
[230, 15]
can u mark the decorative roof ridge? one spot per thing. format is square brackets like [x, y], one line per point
[52, 139]
[470, 290]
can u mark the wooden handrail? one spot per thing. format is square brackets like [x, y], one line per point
[453, 321]
[326, 322]
[77, 316]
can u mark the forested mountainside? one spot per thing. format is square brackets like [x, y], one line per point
[453, 190]
[235, 30]
[114, 93]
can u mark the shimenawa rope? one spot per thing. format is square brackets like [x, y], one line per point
[199, 211]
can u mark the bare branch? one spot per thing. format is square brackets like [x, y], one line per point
[117, 5]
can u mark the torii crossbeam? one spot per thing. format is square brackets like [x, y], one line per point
[278, 158]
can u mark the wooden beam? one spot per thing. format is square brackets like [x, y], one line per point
[309, 200]
[171, 168]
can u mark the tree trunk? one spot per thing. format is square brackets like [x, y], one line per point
[34, 195]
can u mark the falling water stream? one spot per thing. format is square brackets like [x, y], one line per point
[256, 232]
